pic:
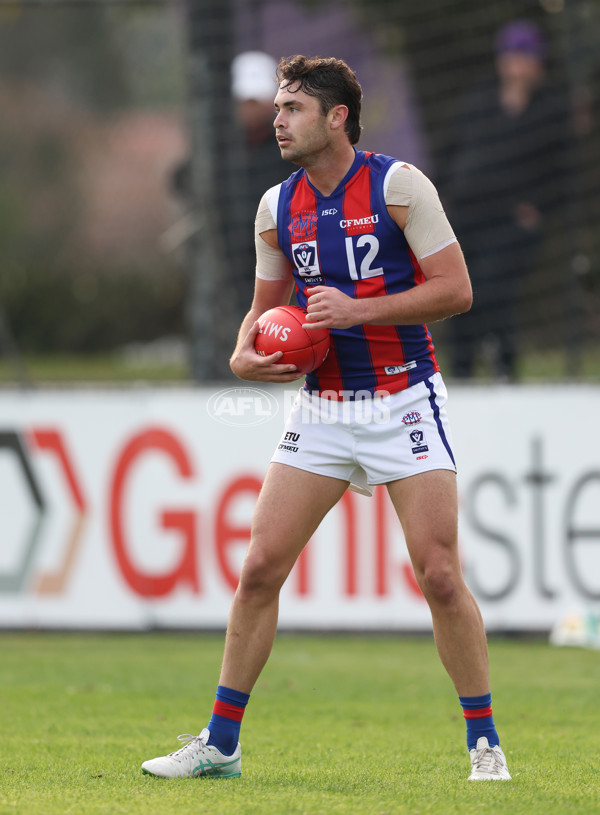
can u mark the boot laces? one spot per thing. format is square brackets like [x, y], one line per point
[486, 760]
[191, 744]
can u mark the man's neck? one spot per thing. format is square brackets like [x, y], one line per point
[328, 170]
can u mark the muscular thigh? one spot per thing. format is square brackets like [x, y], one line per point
[290, 507]
[426, 505]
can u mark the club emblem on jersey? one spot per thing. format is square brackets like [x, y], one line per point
[418, 442]
[303, 226]
[306, 258]
[412, 417]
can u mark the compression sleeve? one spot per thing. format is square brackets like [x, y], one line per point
[271, 264]
[427, 228]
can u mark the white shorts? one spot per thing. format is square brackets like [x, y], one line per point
[370, 441]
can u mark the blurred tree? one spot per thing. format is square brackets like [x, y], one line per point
[44, 42]
[67, 104]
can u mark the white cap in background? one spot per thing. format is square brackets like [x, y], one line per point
[253, 76]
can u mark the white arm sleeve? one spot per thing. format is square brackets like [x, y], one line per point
[427, 228]
[271, 264]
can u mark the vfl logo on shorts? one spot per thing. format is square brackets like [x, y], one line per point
[418, 442]
[306, 258]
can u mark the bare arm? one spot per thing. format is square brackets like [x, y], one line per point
[445, 291]
[245, 362]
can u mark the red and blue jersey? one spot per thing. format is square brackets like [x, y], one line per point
[348, 240]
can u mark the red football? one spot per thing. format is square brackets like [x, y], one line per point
[281, 330]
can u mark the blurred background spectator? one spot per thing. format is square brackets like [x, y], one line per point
[253, 87]
[253, 165]
[503, 176]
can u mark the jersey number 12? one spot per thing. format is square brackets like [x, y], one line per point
[365, 269]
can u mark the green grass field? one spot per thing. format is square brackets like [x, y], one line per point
[336, 724]
[548, 365]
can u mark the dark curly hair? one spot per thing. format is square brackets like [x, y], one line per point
[330, 81]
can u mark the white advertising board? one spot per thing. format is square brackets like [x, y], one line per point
[129, 509]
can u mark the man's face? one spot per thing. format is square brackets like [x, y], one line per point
[301, 128]
[514, 66]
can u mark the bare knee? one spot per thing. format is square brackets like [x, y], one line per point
[262, 576]
[440, 583]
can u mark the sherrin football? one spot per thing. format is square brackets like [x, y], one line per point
[281, 330]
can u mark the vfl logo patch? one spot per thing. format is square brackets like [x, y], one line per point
[306, 258]
[412, 417]
[418, 442]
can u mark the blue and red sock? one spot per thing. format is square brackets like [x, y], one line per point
[226, 719]
[477, 711]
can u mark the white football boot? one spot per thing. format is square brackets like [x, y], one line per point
[195, 758]
[488, 763]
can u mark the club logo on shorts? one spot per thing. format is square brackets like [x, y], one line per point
[412, 417]
[418, 442]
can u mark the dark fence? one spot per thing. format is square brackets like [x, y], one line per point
[130, 178]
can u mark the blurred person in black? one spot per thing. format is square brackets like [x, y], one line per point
[256, 167]
[502, 177]
[250, 164]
